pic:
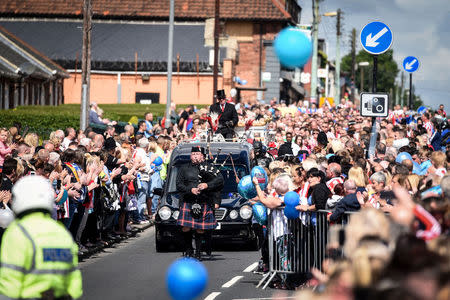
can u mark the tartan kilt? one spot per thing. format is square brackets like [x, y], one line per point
[208, 221]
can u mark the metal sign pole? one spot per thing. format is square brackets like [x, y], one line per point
[373, 135]
[410, 92]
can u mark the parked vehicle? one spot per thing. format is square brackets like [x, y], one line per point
[234, 216]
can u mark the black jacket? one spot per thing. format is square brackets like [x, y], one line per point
[348, 203]
[190, 176]
[319, 195]
[229, 114]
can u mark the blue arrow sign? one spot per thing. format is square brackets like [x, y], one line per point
[410, 64]
[376, 38]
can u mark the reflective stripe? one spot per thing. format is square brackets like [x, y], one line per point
[54, 271]
[36, 271]
[33, 263]
[13, 267]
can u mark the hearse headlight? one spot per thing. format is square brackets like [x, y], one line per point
[164, 213]
[175, 214]
[245, 212]
[233, 214]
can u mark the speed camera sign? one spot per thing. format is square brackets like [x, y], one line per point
[374, 105]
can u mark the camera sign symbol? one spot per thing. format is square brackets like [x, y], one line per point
[374, 105]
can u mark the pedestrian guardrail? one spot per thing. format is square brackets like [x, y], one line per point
[297, 245]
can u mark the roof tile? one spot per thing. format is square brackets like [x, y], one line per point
[185, 9]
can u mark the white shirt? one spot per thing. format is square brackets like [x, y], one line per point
[142, 156]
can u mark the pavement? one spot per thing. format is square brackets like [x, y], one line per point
[132, 269]
[89, 251]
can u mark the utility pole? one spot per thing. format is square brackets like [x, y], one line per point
[337, 100]
[86, 64]
[315, 31]
[353, 64]
[216, 48]
[169, 62]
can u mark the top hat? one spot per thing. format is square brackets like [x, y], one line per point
[220, 94]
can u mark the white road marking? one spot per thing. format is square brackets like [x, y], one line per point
[212, 296]
[251, 267]
[232, 281]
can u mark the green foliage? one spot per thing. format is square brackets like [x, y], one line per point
[387, 70]
[45, 119]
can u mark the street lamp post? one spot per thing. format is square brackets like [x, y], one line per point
[337, 14]
[362, 64]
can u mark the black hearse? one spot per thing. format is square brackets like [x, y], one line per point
[234, 216]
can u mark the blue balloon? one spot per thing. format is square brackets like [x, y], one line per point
[261, 175]
[158, 161]
[291, 213]
[402, 156]
[293, 47]
[421, 110]
[186, 279]
[260, 213]
[291, 199]
[246, 188]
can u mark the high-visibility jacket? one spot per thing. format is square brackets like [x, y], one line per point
[39, 255]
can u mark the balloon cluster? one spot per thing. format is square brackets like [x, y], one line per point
[246, 188]
[291, 200]
[186, 279]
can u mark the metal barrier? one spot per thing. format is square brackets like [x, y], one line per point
[297, 245]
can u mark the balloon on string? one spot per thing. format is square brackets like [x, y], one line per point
[402, 156]
[260, 213]
[293, 47]
[261, 175]
[291, 199]
[290, 212]
[186, 279]
[158, 161]
[246, 188]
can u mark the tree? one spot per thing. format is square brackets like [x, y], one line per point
[387, 70]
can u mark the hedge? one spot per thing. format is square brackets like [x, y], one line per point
[45, 119]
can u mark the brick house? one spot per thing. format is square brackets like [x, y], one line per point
[129, 46]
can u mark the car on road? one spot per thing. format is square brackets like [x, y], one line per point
[234, 216]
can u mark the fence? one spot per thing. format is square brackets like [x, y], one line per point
[296, 245]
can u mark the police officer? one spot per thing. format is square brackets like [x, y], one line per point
[228, 115]
[38, 255]
[198, 183]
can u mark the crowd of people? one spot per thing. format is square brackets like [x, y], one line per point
[397, 246]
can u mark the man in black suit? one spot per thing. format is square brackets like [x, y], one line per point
[228, 115]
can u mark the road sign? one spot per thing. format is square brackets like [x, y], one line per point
[376, 38]
[410, 64]
[374, 105]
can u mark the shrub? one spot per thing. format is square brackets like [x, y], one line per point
[45, 119]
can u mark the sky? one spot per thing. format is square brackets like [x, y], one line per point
[421, 28]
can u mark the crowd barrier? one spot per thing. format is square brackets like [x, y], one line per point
[297, 245]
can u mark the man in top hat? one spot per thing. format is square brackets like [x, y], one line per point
[228, 116]
[198, 183]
